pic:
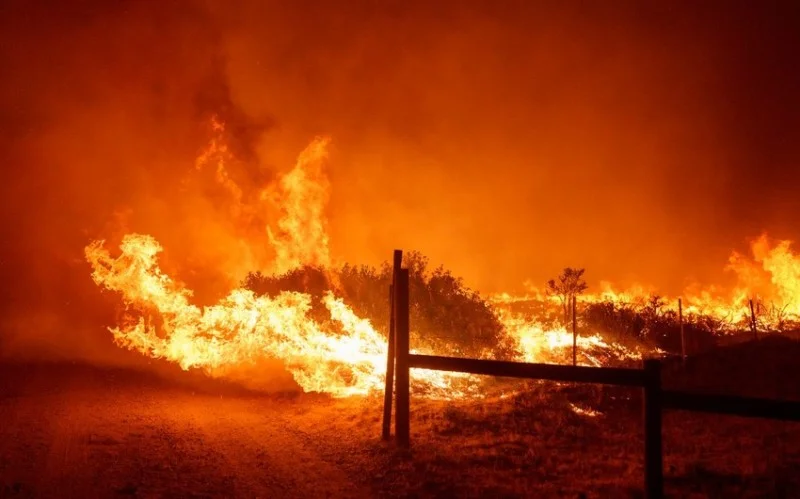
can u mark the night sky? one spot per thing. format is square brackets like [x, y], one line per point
[643, 141]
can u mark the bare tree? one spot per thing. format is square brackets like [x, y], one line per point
[569, 284]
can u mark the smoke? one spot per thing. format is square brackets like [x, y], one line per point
[505, 139]
[642, 142]
[105, 108]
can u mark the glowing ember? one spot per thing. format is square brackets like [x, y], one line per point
[585, 411]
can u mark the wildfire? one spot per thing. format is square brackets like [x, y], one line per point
[344, 354]
[770, 278]
[344, 357]
[242, 328]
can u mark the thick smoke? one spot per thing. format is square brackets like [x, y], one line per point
[105, 110]
[505, 139]
[513, 138]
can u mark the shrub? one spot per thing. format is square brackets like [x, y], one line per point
[648, 322]
[446, 316]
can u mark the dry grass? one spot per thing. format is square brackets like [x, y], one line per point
[105, 433]
[556, 440]
[539, 444]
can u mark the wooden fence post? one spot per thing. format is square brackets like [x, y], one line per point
[402, 409]
[653, 464]
[574, 335]
[389, 385]
[753, 320]
[683, 338]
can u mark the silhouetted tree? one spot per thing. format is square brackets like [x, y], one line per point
[569, 284]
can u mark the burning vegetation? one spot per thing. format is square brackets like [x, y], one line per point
[327, 322]
[200, 196]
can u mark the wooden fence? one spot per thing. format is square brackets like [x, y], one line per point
[400, 361]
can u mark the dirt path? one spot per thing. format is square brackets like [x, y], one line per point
[102, 436]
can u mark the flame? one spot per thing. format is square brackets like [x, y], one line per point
[585, 411]
[770, 277]
[777, 264]
[346, 355]
[301, 237]
[299, 198]
[554, 345]
[244, 328]
[241, 328]
[217, 156]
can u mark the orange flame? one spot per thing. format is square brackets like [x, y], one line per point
[346, 355]
[302, 238]
[771, 278]
[241, 328]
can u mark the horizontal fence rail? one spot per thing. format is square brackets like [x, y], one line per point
[655, 398]
[552, 372]
[731, 405]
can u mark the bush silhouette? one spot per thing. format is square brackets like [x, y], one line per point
[446, 317]
[649, 323]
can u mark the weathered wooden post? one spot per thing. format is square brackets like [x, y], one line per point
[653, 465]
[388, 391]
[574, 335]
[683, 338]
[753, 320]
[402, 376]
[389, 385]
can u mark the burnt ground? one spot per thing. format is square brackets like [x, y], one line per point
[79, 431]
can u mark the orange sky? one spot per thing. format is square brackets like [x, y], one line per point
[504, 139]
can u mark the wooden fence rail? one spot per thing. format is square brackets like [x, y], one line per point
[552, 372]
[649, 379]
[732, 405]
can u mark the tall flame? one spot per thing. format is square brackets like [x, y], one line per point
[302, 238]
[345, 355]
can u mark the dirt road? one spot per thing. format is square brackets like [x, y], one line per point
[84, 432]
